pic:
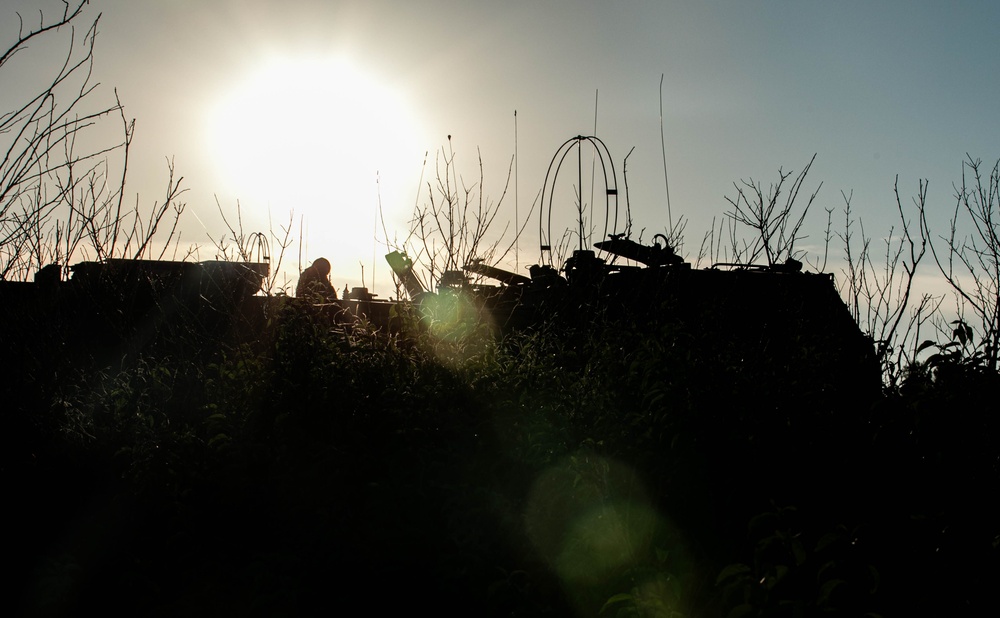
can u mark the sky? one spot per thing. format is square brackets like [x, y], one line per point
[320, 115]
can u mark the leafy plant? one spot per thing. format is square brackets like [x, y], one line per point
[795, 574]
[971, 263]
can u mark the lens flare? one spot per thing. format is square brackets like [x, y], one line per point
[459, 327]
[589, 516]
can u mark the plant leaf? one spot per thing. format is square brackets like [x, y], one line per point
[731, 571]
[622, 597]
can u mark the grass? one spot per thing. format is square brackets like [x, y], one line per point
[570, 469]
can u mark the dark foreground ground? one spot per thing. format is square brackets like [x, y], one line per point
[689, 465]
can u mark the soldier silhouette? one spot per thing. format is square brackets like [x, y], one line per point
[314, 283]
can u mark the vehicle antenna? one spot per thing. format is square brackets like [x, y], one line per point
[579, 185]
[663, 147]
[517, 219]
[301, 239]
[593, 161]
[378, 207]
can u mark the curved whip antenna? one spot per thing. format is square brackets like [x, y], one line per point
[548, 191]
[546, 235]
[663, 148]
[258, 242]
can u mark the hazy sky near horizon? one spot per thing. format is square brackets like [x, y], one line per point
[323, 108]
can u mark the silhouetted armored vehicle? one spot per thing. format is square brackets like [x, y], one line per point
[794, 322]
[772, 314]
[112, 309]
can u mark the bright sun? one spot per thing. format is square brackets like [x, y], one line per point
[323, 139]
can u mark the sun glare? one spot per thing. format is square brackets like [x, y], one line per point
[323, 139]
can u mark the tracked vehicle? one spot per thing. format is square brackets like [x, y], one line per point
[763, 313]
[791, 325]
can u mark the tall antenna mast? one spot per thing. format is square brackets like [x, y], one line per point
[593, 162]
[517, 219]
[302, 238]
[579, 184]
[378, 185]
[663, 147]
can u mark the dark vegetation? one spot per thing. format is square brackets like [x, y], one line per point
[647, 466]
[705, 458]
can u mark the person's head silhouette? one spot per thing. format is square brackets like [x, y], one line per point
[322, 266]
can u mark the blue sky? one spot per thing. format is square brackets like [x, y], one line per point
[875, 89]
